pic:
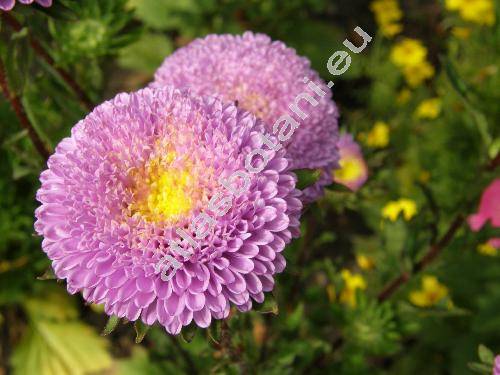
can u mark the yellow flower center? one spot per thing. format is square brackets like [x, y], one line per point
[164, 192]
[350, 170]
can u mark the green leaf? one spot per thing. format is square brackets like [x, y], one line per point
[47, 275]
[138, 363]
[110, 325]
[56, 343]
[485, 355]
[189, 332]
[479, 368]
[307, 177]
[146, 54]
[140, 331]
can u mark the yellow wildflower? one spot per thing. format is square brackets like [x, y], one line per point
[364, 262]
[487, 249]
[408, 52]
[429, 109]
[416, 74]
[379, 135]
[352, 282]
[392, 209]
[454, 4]
[481, 12]
[410, 55]
[388, 16]
[430, 294]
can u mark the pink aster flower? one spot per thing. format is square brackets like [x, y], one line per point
[353, 171]
[489, 210]
[496, 366]
[264, 77]
[133, 175]
[9, 4]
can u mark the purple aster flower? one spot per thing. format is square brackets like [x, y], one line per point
[9, 4]
[133, 175]
[353, 171]
[265, 77]
[496, 366]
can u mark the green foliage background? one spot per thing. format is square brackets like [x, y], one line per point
[116, 45]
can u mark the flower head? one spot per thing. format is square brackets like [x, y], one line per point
[410, 56]
[496, 366]
[379, 135]
[392, 209]
[127, 190]
[431, 293]
[353, 171]
[489, 210]
[352, 282]
[487, 249]
[268, 79]
[429, 109]
[388, 15]
[478, 11]
[365, 262]
[7, 5]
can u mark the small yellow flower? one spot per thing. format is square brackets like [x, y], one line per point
[416, 74]
[431, 293]
[408, 52]
[429, 109]
[388, 16]
[352, 282]
[481, 12]
[364, 262]
[487, 249]
[454, 4]
[392, 209]
[410, 55]
[403, 96]
[379, 135]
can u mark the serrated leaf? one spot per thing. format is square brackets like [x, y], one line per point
[110, 325]
[141, 330]
[485, 355]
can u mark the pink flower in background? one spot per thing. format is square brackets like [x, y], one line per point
[9, 4]
[496, 366]
[489, 210]
[353, 171]
[132, 175]
[265, 77]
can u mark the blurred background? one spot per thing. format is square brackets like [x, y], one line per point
[386, 280]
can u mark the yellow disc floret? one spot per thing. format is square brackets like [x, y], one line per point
[163, 191]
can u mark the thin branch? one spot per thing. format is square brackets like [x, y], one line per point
[18, 108]
[427, 259]
[42, 53]
[435, 249]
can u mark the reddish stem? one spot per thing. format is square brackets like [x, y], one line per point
[18, 108]
[42, 53]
